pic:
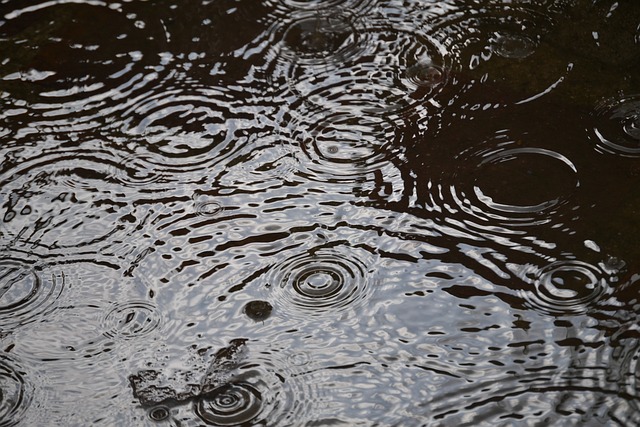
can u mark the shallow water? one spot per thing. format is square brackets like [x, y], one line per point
[320, 213]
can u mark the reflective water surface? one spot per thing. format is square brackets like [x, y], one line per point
[319, 213]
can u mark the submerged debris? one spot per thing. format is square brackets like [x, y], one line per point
[152, 387]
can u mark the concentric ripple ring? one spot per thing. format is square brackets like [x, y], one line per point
[617, 126]
[322, 281]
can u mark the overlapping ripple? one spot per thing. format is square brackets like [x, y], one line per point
[265, 385]
[626, 370]
[69, 190]
[247, 383]
[616, 126]
[494, 44]
[507, 184]
[360, 65]
[342, 146]
[577, 398]
[179, 123]
[223, 201]
[86, 324]
[267, 160]
[28, 291]
[17, 392]
[69, 335]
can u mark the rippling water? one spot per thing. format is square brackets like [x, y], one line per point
[319, 212]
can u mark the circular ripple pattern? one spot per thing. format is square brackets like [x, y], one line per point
[321, 4]
[230, 405]
[343, 146]
[566, 287]
[566, 402]
[383, 71]
[27, 291]
[514, 46]
[206, 205]
[498, 41]
[68, 200]
[321, 38]
[159, 413]
[322, 281]
[627, 369]
[510, 185]
[617, 126]
[137, 170]
[262, 387]
[132, 319]
[15, 392]
[266, 161]
[179, 123]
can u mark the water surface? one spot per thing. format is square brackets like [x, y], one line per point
[319, 213]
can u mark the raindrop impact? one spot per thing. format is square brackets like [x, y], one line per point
[617, 126]
[513, 46]
[206, 205]
[566, 287]
[230, 405]
[132, 319]
[316, 37]
[343, 146]
[322, 281]
[383, 72]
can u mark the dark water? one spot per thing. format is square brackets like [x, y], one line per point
[320, 213]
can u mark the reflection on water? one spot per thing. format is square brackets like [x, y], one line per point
[319, 212]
